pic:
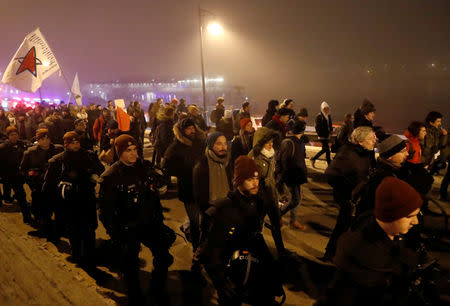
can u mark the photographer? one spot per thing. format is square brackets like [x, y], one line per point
[132, 214]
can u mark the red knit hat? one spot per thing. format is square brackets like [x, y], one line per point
[10, 129]
[244, 122]
[70, 137]
[244, 168]
[123, 142]
[395, 199]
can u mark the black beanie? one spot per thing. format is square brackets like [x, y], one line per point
[295, 126]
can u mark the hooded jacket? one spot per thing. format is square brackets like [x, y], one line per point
[433, 142]
[180, 159]
[323, 124]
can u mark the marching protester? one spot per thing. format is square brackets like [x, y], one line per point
[435, 139]
[92, 114]
[291, 169]
[278, 121]
[324, 128]
[194, 115]
[225, 125]
[289, 105]
[272, 108]
[11, 154]
[343, 133]
[364, 115]
[235, 230]
[163, 134]
[180, 158]
[181, 108]
[242, 143]
[33, 166]
[219, 111]
[80, 128]
[69, 185]
[244, 112]
[351, 166]
[303, 114]
[132, 214]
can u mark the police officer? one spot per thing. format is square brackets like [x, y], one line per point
[236, 227]
[34, 164]
[70, 181]
[132, 214]
[11, 154]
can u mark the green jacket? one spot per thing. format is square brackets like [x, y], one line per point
[433, 142]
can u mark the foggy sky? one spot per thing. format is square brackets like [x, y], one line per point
[306, 50]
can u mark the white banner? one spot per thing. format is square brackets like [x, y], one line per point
[76, 92]
[33, 62]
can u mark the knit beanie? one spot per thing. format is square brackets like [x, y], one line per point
[70, 137]
[212, 138]
[283, 112]
[10, 129]
[40, 133]
[390, 146]
[244, 168]
[303, 112]
[122, 142]
[395, 199]
[244, 122]
[367, 107]
[185, 123]
[227, 114]
[295, 126]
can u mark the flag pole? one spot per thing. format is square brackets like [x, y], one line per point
[40, 94]
[67, 82]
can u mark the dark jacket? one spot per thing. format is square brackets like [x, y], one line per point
[351, 166]
[201, 182]
[433, 142]
[127, 199]
[363, 122]
[238, 148]
[77, 169]
[235, 223]
[237, 120]
[35, 163]
[225, 125]
[85, 141]
[67, 124]
[371, 268]
[199, 121]
[55, 130]
[343, 134]
[276, 125]
[180, 159]
[290, 164]
[268, 116]
[11, 156]
[164, 134]
[323, 125]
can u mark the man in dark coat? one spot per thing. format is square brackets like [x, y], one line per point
[364, 115]
[179, 160]
[291, 169]
[225, 125]
[244, 112]
[80, 127]
[132, 214]
[435, 139]
[219, 111]
[278, 122]
[272, 108]
[163, 134]
[236, 226]
[33, 166]
[373, 265]
[70, 183]
[11, 154]
[351, 166]
[242, 143]
[324, 128]
[93, 113]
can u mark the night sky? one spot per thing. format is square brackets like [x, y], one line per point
[338, 51]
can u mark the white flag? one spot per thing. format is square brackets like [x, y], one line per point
[76, 92]
[32, 64]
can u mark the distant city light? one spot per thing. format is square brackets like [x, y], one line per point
[215, 29]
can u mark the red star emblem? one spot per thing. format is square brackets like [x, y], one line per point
[29, 62]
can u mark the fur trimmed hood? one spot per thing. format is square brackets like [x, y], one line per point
[262, 136]
[199, 134]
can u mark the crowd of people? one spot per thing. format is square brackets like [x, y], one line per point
[230, 176]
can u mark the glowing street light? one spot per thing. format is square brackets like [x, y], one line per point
[215, 29]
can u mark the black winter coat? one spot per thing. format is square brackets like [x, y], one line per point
[127, 199]
[35, 163]
[371, 268]
[226, 127]
[11, 156]
[324, 126]
[351, 166]
[201, 182]
[180, 159]
[164, 135]
[290, 164]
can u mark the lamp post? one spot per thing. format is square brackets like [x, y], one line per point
[214, 29]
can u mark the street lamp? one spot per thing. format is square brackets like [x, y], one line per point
[215, 29]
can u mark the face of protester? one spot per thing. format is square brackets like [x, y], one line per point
[247, 109]
[301, 118]
[437, 123]
[250, 186]
[400, 157]
[326, 110]
[269, 145]
[369, 142]
[44, 142]
[249, 127]
[189, 131]
[370, 116]
[91, 107]
[403, 225]
[284, 118]
[129, 156]
[290, 105]
[220, 146]
[422, 133]
[81, 127]
[74, 146]
[13, 137]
